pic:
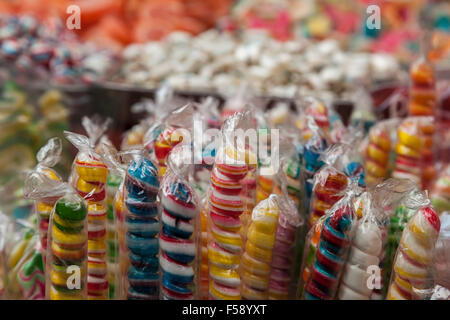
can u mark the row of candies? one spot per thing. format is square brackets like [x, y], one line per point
[170, 217]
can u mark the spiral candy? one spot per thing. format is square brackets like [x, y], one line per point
[142, 225]
[178, 247]
[414, 254]
[90, 179]
[329, 184]
[329, 255]
[377, 155]
[224, 248]
[68, 248]
[165, 142]
[422, 88]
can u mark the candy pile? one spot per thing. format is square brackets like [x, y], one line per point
[36, 50]
[267, 66]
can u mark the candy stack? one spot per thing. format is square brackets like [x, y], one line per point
[440, 195]
[314, 147]
[31, 277]
[256, 260]
[112, 185]
[422, 88]
[225, 245]
[427, 129]
[68, 245]
[365, 251]
[414, 255]
[248, 196]
[178, 248]
[377, 155]
[329, 185]
[90, 178]
[330, 254]
[319, 112]
[165, 142]
[142, 225]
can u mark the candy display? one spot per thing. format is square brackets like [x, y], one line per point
[142, 229]
[89, 177]
[255, 150]
[68, 240]
[414, 255]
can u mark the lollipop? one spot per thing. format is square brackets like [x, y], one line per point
[414, 255]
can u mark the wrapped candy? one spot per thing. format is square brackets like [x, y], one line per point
[332, 248]
[314, 147]
[140, 230]
[422, 91]
[414, 151]
[89, 177]
[163, 137]
[329, 184]
[44, 193]
[66, 266]
[414, 255]
[440, 193]
[378, 151]
[225, 207]
[365, 252]
[178, 246]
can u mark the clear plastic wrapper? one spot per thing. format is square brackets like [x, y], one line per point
[378, 151]
[338, 226]
[6, 229]
[414, 151]
[178, 240]
[410, 277]
[67, 257]
[163, 136]
[138, 230]
[225, 242]
[42, 184]
[203, 289]
[88, 178]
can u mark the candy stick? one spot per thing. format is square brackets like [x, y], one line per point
[89, 176]
[68, 256]
[168, 139]
[332, 249]
[414, 255]
[177, 238]
[377, 154]
[142, 229]
[422, 91]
